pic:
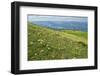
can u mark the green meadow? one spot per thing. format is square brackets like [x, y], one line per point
[49, 44]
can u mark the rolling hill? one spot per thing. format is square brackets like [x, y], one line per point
[49, 44]
[70, 25]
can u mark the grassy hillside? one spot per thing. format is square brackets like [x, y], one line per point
[48, 44]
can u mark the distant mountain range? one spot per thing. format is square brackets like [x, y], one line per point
[69, 25]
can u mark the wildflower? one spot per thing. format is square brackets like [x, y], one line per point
[41, 50]
[53, 56]
[47, 45]
[40, 42]
[48, 48]
[31, 42]
[35, 53]
[38, 33]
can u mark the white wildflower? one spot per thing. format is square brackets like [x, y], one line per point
[31, 42]
[41, 50]
[47, 45]
[40, 42]
[35, 53]
[48, 48]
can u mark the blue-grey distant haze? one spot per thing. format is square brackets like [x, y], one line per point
[60, 22]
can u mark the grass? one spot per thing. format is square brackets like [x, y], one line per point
[49, 44]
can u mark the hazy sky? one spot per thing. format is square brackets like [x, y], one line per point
[56, 18]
